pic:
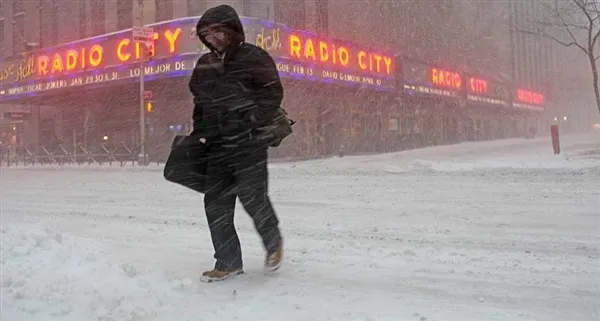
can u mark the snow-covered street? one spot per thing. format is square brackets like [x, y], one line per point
[488, 231]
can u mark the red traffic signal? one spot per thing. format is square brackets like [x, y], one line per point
[147, 95]
[150, 51]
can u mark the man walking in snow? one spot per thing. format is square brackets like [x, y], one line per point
[237, 94]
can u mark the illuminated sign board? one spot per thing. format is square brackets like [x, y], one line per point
[102, 59]
[528, 100]
[18, 70]
[484, 91]
[302, 54]
[108, 53]
[166, 67]
[425, 79]
[446, 79]
[114, 56]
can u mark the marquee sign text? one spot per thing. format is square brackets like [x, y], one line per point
[480, 90]
[527, 99]
[302, 54]
[104, 54]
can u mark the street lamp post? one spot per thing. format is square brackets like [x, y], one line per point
[27, 48]
[143, 154]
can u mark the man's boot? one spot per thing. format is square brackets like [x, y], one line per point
[219, 275]
[275, 258]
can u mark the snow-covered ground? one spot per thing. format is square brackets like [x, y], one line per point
[477, 231]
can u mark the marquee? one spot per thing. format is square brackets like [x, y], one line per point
[114, 57]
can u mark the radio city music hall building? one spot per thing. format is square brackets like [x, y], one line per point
[92, 84]
[342, 94]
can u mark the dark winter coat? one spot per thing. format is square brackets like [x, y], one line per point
[237, 94]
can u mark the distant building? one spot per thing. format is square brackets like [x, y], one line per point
[416, 73]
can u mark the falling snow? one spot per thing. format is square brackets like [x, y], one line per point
[498, 230]
[489, 227]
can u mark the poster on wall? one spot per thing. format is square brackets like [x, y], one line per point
[421, 78]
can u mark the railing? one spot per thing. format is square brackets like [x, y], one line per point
[59, 155]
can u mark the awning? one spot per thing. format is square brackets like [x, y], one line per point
[9, 122]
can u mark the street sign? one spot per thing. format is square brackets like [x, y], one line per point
[147, 95]
[17, 115]
[143, 34]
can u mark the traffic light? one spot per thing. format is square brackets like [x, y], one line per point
[149, 106]
[150, 51]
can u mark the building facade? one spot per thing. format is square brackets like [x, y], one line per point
[414, 75]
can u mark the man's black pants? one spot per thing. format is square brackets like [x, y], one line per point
[232, 172]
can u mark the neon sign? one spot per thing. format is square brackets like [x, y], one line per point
[483, 91]
[446, 79]
[329, 52]
[112, 57]
[530, 97]
[107, 53]
[157, 69]
[423, 79]
[19, 70]
[269, 41]
[478, 86]
[303, 55]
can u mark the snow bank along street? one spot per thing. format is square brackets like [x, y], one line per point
[478, 231]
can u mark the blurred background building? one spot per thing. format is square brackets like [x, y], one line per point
[467, 35]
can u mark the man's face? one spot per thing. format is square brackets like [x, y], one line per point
[215, 35]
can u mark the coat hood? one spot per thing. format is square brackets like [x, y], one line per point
[226, 16]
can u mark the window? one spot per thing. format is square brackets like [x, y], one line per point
[408, 125]
[264, 9]
[394, 125]
[2, 53]
[292, 13]
[196, 7]
[322, 21]
[418, 126]
[40, 24]
[48, 18]
[82, 20]
[124, 14]
[18, 33]
[98, 24]
[163, 9]
[18, 7]
[54, 29]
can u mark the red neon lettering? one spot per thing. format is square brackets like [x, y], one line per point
[295, 46]
[93, 55]
[330, 53]
[96, 54]
[445, 78]
[171, 38]
[42, 65]
[122, 54]
[478, 85]
[57, 64]
[309, 51]
[82, 58]
[323, 51]
[530, 97]
[344, 56]
[72, 59]
[361, 58]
